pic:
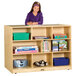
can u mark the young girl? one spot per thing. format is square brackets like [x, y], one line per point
[35, 16]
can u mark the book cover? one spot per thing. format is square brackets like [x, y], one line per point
[55, 45]
[62, 45]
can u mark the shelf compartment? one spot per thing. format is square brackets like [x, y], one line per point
[68, 45]
[46, 57]
[44, 31]
[62, 30]
[22, 30]
[34, 43]
[47, 44]
[28, 57]
[65, 54]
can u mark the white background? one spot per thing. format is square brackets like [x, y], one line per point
[13, 12]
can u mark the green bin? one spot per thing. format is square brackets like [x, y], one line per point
[21, 36]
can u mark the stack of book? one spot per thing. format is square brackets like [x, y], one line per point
[26, 49]
[46, 46]
[40, 37]
[60, 36]
[59, 45]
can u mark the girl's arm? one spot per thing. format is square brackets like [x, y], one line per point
[40, 19]
[27, 22]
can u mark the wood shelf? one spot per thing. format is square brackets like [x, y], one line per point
[43, 53]
[36, 30]
[39, 40]
[62, 52]
[33, 53]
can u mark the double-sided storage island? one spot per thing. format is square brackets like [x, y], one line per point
[37, 47]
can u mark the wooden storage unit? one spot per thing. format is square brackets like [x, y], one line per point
[37, 30]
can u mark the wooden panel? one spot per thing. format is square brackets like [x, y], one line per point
[21, 30]
[57, 30]
[28, 69]
[58, 55]
[38, 57]
[25, 43]
[67, 31]
[49, 59]
[49, 32]
[8, 48]
[39, 32]
[20, 57]
[69, 56]
[49, 45]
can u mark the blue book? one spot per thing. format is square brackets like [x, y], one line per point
[28, 49]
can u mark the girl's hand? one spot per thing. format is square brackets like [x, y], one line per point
[35, 23]
[29, 23]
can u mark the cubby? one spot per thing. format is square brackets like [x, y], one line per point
[62, 30]
[44, 31]
[63, 54]
[45, 57]
[28, 57]
[36, 30]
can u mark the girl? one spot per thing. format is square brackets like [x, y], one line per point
[35, 16]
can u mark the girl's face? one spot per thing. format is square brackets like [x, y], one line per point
[36, 8]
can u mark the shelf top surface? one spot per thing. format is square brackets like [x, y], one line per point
[32, 26]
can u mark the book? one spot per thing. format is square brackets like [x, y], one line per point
[40, 37]
[60, 36]
[26, 49]
[62, 45]
[46, 46]
[55, 45]
[24, 52]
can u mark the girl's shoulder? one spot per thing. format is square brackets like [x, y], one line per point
[40, 13]
[29, 13]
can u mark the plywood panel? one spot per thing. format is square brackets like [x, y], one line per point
[39, 32]
[58, 55]
[57, 30]
[21, 30]
[25, 43]
[67, 31]
[8, 48]
[38, 57]
[49, 32]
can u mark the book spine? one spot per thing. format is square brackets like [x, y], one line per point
[23, 52]
[26, 49]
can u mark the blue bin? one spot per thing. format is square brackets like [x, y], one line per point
[60, 61]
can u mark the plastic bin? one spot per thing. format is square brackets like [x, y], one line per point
[21, 36]
[20, 63]
[60, 61]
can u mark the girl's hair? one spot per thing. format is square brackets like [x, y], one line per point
[36, 3]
